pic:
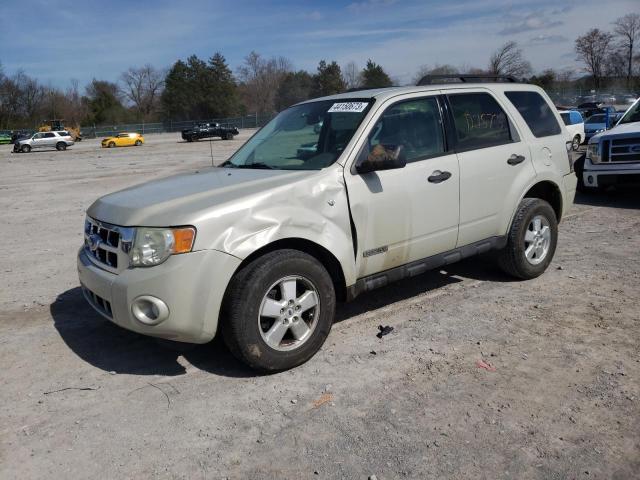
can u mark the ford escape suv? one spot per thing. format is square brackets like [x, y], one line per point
[395, 182]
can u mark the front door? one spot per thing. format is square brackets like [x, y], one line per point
[409, 213]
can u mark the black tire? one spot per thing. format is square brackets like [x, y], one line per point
[512, 258]
[138, 143]
[241, 307]
[60, 146]
[578, 168]
[112, 144]
[25, 149]
[575, 143]
[229, 136]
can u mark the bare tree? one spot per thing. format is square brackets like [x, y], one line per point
[508, 60]
[592, 49]
[261, 79]
[628, 29]
[143, 87]
[351, 75]
[437, 69]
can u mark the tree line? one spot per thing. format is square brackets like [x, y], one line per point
[196, 88]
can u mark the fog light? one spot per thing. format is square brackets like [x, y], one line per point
[590, 179]
[149, 310]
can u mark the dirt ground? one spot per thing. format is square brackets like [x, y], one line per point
[82, 398]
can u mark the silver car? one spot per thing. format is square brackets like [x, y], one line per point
[59, 140]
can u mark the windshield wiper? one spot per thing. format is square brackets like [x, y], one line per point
[260, 165]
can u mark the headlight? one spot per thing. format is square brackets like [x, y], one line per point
[152, 246]
[592, 153]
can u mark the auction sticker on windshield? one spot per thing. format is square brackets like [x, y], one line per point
[356, 107]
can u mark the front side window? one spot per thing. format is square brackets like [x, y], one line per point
[536, 113]
[310, 136]
[38, 136]
[479, 121]
[49, 135]
[414, 125]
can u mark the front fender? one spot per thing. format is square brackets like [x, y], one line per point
[313, 209]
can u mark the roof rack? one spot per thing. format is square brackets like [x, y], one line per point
[467, 78]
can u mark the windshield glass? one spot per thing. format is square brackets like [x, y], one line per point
[310, 136]
[632, 115]
[596, 119]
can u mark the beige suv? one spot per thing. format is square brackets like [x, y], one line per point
[395, 182]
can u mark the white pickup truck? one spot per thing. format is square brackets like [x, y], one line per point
[613, 156]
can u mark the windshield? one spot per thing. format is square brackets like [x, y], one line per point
[632, 115]
[596, 119]
[310, 136]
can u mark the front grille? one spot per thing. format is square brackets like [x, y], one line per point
[107, 245]
[97, 302]
[622, 150]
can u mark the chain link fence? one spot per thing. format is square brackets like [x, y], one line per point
[98, 131]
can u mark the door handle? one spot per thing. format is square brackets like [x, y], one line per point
[438, 176]
[515, 159]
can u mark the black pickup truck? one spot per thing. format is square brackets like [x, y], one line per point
[209, 130]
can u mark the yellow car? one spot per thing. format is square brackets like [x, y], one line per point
[123, 140]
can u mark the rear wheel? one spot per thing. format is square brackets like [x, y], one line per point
[531, 241]
[138, 143]
[25, 149]
[278, 310]
[60, 146]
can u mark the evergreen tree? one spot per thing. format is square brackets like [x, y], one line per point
[328, 80]
[374, 76]
[295, 87]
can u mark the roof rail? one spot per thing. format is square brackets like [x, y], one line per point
[467, 78]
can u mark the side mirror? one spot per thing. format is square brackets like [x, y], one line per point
[381, 157]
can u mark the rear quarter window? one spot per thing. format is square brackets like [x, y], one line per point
[536, 113]
[479, 121]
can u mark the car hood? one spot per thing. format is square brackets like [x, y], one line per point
[624, 129]
[184, 199]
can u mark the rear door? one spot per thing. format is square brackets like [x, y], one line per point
[495, 165]
[408, 213]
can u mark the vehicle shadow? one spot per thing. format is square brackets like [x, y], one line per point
[618, 197]
[113, 349]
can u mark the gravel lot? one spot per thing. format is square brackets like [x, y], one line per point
[80, 397]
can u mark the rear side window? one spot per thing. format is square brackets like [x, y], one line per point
[576, 118]
[479, 121]
[536, 112]
[566, 118]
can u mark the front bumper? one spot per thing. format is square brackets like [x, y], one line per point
[192, 285]
[604, 176]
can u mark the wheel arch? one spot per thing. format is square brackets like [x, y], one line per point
[550, 192]
[320, 253]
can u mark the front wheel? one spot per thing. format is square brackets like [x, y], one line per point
[531, 241]
[278, 310]
[112, 144]
[25, 149]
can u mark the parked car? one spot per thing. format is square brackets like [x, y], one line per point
[596, 124]
[123, 140]
[209, 130]
[587, 109]
[613, 156]
[575, 126]
[5, 138]
[261, 248]
[58, 140]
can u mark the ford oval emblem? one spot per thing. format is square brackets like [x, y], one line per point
[94, 242]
